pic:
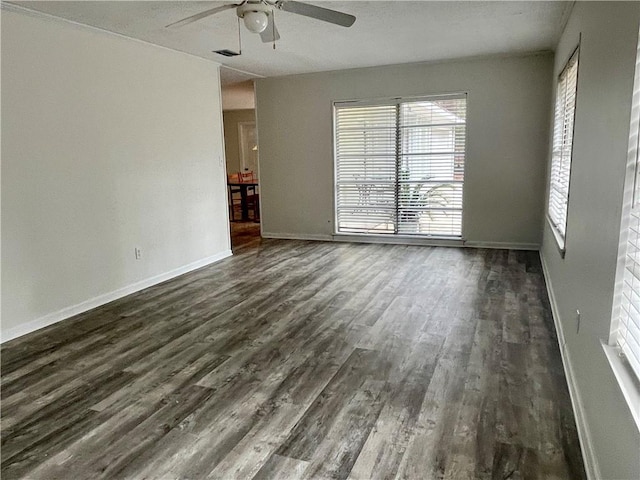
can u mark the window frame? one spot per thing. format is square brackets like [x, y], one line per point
[559, 236]
[395, 101]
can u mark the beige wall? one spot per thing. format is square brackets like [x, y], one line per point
[107, 144]
[507, 125]
[231, 140]
[584, 279]
[239, 96]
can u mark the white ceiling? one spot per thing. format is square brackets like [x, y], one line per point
[385, 32]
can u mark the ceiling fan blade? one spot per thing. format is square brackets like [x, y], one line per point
[270, 34]
[198, 16]
[319, 13]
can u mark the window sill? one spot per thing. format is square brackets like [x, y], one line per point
[629, 384]
[560, 242]
[395, 239]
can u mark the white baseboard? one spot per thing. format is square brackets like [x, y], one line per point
[94, 302]
[298, 236]
[402, 240]
[590, 461]
[503, 245]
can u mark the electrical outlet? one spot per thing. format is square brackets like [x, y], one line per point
[578, 318]
[138, 253]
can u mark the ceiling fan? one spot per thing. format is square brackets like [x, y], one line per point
[258, 15]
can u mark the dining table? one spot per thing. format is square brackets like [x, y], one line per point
[244, 187]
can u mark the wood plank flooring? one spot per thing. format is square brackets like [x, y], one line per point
[244, 234]
[302, 360]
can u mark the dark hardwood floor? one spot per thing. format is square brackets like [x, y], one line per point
[302, 360]
[244, 234]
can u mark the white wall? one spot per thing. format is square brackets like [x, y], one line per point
[507, 131]
[584, 279]
[107, 144]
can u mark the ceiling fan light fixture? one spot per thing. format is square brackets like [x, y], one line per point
[258, 16]
[256, 21]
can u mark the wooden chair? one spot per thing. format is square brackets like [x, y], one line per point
[246, 177]
[253, 204]
[234, 200]
[253, 198]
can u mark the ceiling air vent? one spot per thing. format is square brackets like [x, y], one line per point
[226, 53]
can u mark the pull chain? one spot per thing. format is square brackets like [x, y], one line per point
[273, 29]
[239, 38]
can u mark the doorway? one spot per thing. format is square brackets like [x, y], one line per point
[248, 147]
[242, 157]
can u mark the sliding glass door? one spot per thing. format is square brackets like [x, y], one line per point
[400, 166]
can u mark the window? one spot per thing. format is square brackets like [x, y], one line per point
[626, 331]
[623, 347]
[400, 166]
[562, 148]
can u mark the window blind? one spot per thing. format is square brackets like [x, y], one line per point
[562, 147]
[628, 328]
[365, 168]
[400, 167]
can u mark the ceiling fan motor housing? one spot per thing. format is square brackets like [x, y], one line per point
[255, 16]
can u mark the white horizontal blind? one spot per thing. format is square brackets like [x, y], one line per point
[628, 331]
[400, 167]
[562, 147]
[365, 168]
[431, 171]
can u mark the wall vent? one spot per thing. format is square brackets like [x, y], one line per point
[226, 53]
